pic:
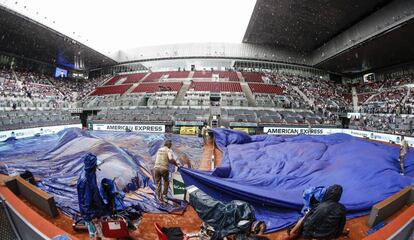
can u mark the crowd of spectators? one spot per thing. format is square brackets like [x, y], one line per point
[75, 90]
[388, 96]
[26, 84]
[323, 94]
[386, 123]
[22, 86]
[384, 101]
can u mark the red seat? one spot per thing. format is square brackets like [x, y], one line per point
[216, 86]
[113, 80]
[106, 90]
[157, 87]
[134, 78]
[181, 74]
[154, 77]
[265, 88]
[202, 74]
[252, 77]
[129, 78]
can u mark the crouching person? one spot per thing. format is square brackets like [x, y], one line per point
[91, 205]
[326, 220]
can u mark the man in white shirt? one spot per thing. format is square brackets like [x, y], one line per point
[164, 157]
[204, 132]
[403, 151]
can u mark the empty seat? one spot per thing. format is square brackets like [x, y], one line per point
[265, 88]
[156, 87]
[105, 90]
[216, 86]
[252, 77]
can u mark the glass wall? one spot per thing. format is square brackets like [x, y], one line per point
[214, 64]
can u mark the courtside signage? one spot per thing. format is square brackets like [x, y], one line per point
[129, 127]
[294, 131]
[383, 137]
[31, 132]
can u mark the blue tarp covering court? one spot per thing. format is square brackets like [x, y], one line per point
[271, 172]
[127, 157]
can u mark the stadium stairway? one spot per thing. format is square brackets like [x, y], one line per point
[105, 81]
[407, 96]
[190, 76]
[15, 77]
[354, 99]
[248, 93]
[181, 94]
[371, 97]
[131, 88]
[240, 75]
[310, 102]
[142, 79]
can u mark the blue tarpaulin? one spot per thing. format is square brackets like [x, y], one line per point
[271, 172]
[126, 157]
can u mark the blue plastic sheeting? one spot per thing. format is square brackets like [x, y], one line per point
[126, 156]
[271, 172]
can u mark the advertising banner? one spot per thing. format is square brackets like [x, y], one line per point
[383, 137]
[129, 127]
[246, 130]
[30, 132]
[188, 130]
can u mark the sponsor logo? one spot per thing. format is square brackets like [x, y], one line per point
[30, 132]
[294, 131]
[178, 187]
[134, 128]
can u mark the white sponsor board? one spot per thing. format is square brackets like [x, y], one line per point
[296, 131]
[129, 127]
[30, 132]
[383, 137]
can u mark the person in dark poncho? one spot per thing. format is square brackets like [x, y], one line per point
[326, 220]
[91, 204]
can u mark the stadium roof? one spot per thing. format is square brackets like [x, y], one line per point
[343, 36]
[26, 38]
[305, 25]
[390, 48]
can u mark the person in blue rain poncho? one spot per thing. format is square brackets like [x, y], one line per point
[91, 204]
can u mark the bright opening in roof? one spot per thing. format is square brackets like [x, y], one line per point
[108, 26]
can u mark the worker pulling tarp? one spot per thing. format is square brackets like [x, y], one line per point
[272, 172]
[126, 158]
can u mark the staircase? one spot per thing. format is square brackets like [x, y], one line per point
[248, 93]
[379, 91]
[373, 95]
[240, 75]
[310, 102]
[190, 76]
[407, 96]
[140, 81]
[91, 103]
[354, 99]
[181, 94]
[131, 89]
[15, 77]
